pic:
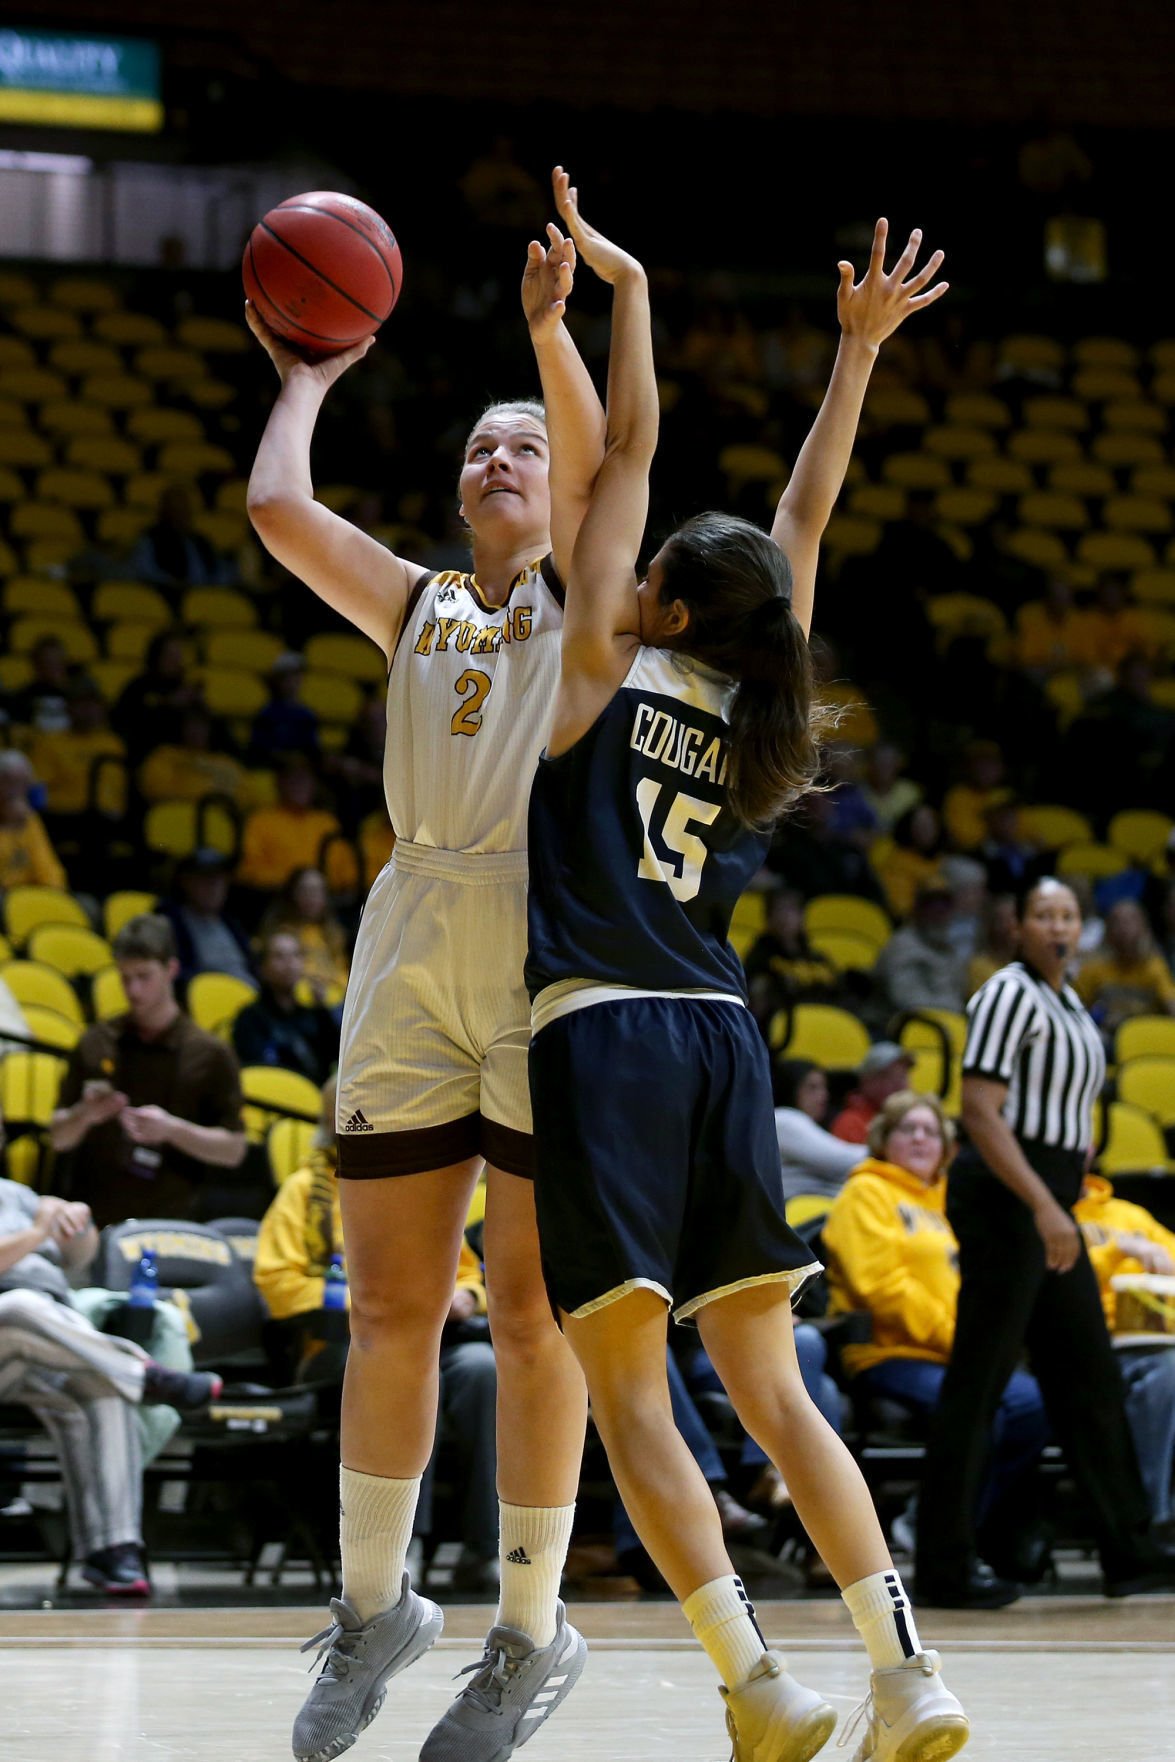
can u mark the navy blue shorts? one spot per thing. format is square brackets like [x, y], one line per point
[656, 1161]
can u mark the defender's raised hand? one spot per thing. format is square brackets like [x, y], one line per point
[873, 308]
[608, 260]
[547, 281]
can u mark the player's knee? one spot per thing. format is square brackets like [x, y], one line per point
[522, 1325]
[405, 1317]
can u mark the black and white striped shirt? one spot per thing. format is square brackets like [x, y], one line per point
[1043, 1044]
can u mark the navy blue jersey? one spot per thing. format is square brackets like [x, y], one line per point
[636, 859]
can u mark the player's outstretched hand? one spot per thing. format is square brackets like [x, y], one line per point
[874, 307]
[608, 260]
[289, 364]
[547, 281]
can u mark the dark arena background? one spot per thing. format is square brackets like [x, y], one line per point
[188, 734]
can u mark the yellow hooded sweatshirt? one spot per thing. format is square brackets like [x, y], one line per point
[1104, 1220]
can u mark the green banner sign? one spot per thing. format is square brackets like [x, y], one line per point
[54, 77]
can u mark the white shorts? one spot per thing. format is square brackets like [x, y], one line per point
[436, 1025]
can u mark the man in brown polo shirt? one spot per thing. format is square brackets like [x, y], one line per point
[150, 1103]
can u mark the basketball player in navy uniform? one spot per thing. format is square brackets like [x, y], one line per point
[684, 723]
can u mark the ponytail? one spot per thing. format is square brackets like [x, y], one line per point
[736, 583]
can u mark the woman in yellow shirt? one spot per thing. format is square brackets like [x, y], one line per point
[912, 860]
[303, 908]
[1127, 976]
[27, 859]
[892, 1253]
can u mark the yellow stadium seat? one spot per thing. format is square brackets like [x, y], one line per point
[43, 323]
[25, 908]
[966, 506]
[288, 1144]
[111, 677]
[856, 722]
[750, 912]
[742, 464]
[213, 336]
[930, 1072]
[217, 998]
[84, 293]
[77, 639]
[1161, 355]
[1003, 477]
[49, 555]
[1106, 351]
[895, 406]
[846, 536]
[74, 487]
[152, 425]
[1135, 415]
[50, 1027]
[1153, 480]
[176, 828]
[1057, 513]
[15, 672]
[1157, 627]
[877, 501]
[192, 458]
[924, 1030]
[117, 391]
[1043, 446]
[1149, 1082]
[227, 532]
[73, 950]
[977, 410]
[819, 1031]
[1099, 385]
[46, 520]
[1119, 447]
[844, 911]
[29, 1086]
[271, 1086]
[1067, 414]
[39, 596]
[916, 471]
[1126, 551]
[231, 497]
[223, 607]
[130, 602]
[1053, 827]
[24, 450]
[231, 691]
[12, 413]
[130, 640]
[33, 982]
[1163, 387]
[1141, 833]
[848, 951]
[1145, 1037]
[9, 561]
[107, 995]
[119, 908]
[208, 393]
[1154, 586]
[144, 488]
[69, 420]
[1098, 861]
[964, 614]
[353, 656]
[16, 352]
[129, 329]
[805, 1208]
[1066, 692]
[1134, 1143]
[16, 289]
[1081, 477]
[78, 356]
[946, 441]
[1031, 354]
[105, 453]
[12, 488]
[165, 362]
[1137, 514]
[331, 697]
[1163, 694]
[255, 650]
[32, 385]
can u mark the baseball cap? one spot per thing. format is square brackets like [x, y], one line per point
[880, 1056]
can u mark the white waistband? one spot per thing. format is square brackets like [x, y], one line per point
[474, 868]
[569, 995]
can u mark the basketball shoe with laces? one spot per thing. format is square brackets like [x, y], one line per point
[516, 1687]
[773, 1718]
[910, 1715]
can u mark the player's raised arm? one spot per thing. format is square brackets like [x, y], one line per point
[356, 575]
[602, 620]
[575, 416]
[869, 311]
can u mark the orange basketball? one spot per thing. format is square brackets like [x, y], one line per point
[323, 271]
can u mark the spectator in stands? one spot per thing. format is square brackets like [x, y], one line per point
[953, 358]
[193, 763]
[966, 802]
[279, 1030]
[812, 1159]
[149, 1104]
[999, 941]
[914, 552]
[1093, 925]
[1051, 633]
[892, 1253]
[285, 725]
[42, 704]
[82, 766]
[1125, 1239]
[27, 858]
[916, 858]
[171, 553]
[1112, 627]
[920, 966]
[84, 1387]
[300, 1234]
[1009, 858]
[1128, 976]
[290, 835]
[781, 966]
[148, 708]
[889, 792]
[812, 859]
[1123, 735]
[884, 1070]
[967, 880]
[303, 909]
[359, 768]
[853, 818]
[207, 939]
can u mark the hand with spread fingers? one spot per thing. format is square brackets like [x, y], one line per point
[874, 307]
[547, 281]
[610, 263]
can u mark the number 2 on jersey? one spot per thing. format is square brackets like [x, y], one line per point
[681, 867]
[474, 688]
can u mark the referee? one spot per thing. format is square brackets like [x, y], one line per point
[1032, 1067]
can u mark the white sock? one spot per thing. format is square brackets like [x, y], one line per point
[882, 1616]
[532, 1546]
[375, 1527]
[723, 1619]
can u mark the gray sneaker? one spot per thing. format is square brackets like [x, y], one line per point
[360, 1657]
[516, 1687]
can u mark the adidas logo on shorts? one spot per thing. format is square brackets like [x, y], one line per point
[357, 1123]
[519, 1557]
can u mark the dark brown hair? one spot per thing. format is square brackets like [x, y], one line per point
[149, 937]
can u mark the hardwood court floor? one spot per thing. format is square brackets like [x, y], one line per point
[1081, 1680]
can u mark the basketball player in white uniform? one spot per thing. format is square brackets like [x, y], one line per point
[433, 1078]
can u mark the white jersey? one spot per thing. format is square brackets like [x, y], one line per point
[470, 695]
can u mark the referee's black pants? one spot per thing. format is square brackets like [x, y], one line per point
[1009, 1301]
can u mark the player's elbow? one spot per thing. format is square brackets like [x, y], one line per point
[273, 512]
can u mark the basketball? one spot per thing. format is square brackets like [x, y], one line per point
[323, 271]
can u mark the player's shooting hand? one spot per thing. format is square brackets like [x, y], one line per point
[610, 263]
[873, 308]
[290, 365]
[547, 281]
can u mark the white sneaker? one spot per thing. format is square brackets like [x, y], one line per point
[910, 1715]
[773, 1718]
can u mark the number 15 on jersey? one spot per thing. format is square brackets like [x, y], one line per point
[673, 854]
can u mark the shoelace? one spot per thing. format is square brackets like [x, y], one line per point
[331, 1642]
[863, 1712]
[491, 1675]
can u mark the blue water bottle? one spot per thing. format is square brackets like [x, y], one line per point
[334, 1294]
[144, 1283]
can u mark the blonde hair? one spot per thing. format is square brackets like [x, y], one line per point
[894, 1110]
[510, 407]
